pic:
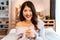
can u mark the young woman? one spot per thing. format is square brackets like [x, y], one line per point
[29, 27]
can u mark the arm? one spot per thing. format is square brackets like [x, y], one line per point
[42, 29]
[42, 32]
[19, 33]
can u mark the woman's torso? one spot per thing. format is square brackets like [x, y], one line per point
[22, 30]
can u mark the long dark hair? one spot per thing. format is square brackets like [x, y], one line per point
[34, 16]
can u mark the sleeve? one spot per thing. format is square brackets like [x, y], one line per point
[19, 30]
[19, 33]
[42, 29]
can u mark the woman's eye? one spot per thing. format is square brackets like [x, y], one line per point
[25, 10]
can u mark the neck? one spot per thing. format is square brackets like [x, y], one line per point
[27, 21]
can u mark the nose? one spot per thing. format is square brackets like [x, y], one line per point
[28, 12]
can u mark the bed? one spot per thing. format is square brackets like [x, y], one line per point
[50, 34]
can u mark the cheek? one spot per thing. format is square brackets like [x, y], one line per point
[24, 13]
[31, 14]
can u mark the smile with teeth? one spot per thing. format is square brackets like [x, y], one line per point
[28, 16]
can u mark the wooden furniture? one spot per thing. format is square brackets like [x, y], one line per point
[3, 31]
[50, 23]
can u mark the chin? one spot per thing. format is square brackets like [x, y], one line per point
[28, 19]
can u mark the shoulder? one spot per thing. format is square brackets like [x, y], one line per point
[19, 24]
[40, 23]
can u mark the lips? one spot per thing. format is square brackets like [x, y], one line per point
[28, 16]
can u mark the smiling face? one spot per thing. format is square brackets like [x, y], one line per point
[27, 13]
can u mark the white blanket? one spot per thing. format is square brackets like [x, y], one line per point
[10, 36]
[50, 34]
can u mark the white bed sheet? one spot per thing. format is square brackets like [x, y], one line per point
[50, 34]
